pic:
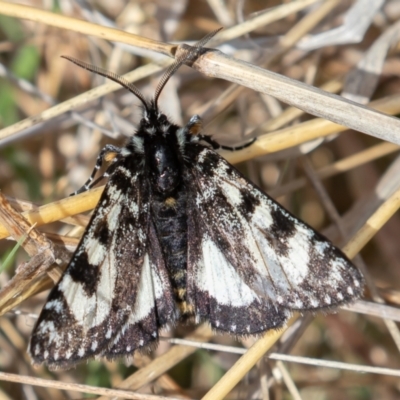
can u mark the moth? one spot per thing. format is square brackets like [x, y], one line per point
[180, 235]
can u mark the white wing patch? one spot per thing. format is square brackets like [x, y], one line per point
[286, 270]
[94, 250]
[90, 311]
[218, 277]
[113, 217]
[150, 289]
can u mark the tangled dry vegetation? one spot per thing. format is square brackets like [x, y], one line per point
[330, 160]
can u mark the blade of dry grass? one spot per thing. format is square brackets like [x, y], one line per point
[362, 81]
[221, 12]
[84, 27]
[303, 132]
[345, 164]
[373, 225]
[288, 381]
[307, 23]
[374, 309]
[60, 209]
[335, 364]
[272, 15]
[76, 387]
[356, 22]
[308, 98]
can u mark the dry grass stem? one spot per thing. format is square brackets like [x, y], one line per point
[265, 18]
[83, 27]
[343, 165]
[373, 225]
[75, 387]
[60, 209]
[302, 133]
[336, 364]
[287, 379]
[308, 98]
[374, 309]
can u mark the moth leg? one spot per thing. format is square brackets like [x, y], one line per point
[108, 154]
[217, 146]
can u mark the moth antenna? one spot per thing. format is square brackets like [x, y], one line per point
[110, 75]
[193, 53]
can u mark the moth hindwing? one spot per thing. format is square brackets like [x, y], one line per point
[180, 234]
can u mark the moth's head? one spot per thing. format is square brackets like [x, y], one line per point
[153, 120]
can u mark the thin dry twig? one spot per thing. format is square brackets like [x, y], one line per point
[345, 164]
[84, 27]
[76, 387]
[262, 20]
[308, 98]
[336, 364]
[288, 381]
[373, 225]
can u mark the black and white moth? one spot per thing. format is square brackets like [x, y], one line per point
[179, 234]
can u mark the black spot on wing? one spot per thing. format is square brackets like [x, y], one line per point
[121, 181]
[101, 232]
[281, 230]
[125, 171]
[249, 201]
[207, 164]
[81, 271]
[283, 225]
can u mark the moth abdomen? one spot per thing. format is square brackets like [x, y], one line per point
[170, 220]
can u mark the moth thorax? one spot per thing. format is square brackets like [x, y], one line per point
[164, 165]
